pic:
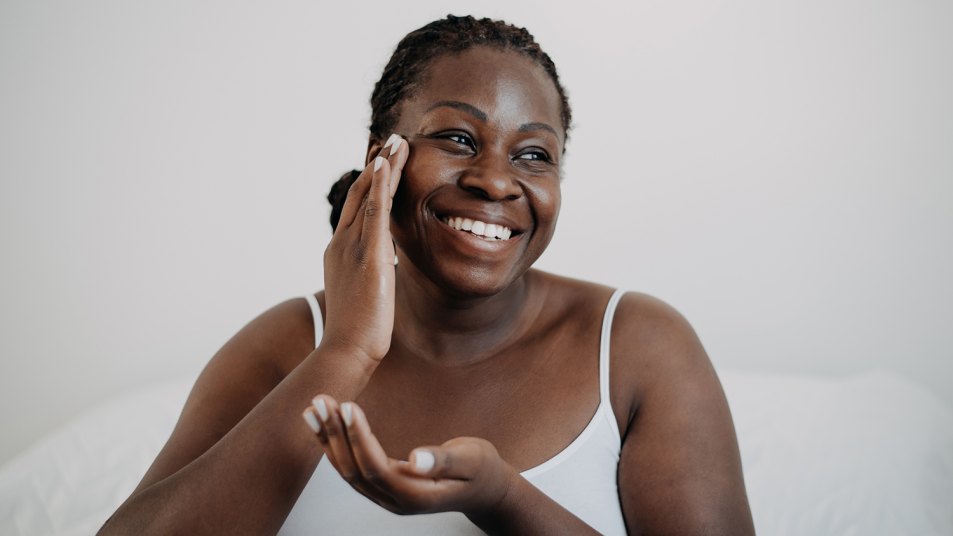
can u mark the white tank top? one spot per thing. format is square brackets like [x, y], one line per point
[582, 478]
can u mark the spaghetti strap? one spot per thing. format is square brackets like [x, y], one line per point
[317, 317]
[604, 349]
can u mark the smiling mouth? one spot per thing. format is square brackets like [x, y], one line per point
[490, 232]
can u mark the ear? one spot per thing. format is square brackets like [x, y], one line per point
[374, 146]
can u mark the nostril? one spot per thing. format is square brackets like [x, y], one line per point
[496, 188]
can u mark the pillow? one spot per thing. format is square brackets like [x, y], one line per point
[869, 454]
[74, 479]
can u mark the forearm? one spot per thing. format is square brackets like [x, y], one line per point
[250, 479]
[527, 510]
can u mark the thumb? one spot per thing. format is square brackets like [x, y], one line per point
[459, 458]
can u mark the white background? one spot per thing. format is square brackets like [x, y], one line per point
[780, 172]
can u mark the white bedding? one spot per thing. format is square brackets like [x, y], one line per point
[866, 455]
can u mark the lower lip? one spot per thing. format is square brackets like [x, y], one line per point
[474, 242]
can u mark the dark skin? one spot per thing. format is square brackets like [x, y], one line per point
[507, 356]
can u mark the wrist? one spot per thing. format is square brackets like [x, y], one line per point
[339, 370]
[493, 517]
[524, 509]
[348, 355]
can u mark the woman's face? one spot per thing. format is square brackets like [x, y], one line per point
[486, 142]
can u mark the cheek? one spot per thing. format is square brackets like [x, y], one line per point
[546, 200]
[422, 174]
[423, 171]
[411, 184]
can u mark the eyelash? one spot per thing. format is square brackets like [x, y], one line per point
[465, 139]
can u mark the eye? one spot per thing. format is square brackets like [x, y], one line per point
[534, 155]
[461, 139]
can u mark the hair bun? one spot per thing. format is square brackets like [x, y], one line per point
[338, 195]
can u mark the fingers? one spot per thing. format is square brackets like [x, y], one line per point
[331, 433]
[401, 151]
[388, 163]
[375, 216]
[371, 460]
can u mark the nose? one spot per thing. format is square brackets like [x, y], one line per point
[492, 179]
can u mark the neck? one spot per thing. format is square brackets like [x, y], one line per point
[439, 328]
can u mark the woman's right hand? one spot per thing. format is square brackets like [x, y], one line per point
[359, 273]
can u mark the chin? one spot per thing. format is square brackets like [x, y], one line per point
[469, 282]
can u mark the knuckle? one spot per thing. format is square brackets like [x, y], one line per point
[372, 208]
[359, 253]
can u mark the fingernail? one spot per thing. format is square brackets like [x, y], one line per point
[378, 162]
[311, 420]
[423, 461]
[347, 413]
[397, 143]
[390, 140]
[321, 407]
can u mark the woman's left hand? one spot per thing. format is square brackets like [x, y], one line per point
[465, 474]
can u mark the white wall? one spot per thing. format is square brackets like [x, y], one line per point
[782, 172]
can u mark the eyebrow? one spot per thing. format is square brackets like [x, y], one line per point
[529, 127]
[481, 115]
[468, 108]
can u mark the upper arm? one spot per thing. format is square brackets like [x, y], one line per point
[680, 468]
[239, 376]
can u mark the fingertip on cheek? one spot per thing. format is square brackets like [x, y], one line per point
[397, 141]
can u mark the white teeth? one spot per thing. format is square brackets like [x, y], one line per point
[489, 231]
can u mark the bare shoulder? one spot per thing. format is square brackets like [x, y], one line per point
[236, 378]
[643, 322]
[680, 467]
[654, 349]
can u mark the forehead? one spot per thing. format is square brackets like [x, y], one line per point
[507, 85]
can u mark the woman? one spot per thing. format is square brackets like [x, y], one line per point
[522, 402]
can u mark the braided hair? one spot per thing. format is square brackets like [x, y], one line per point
[405, 73]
